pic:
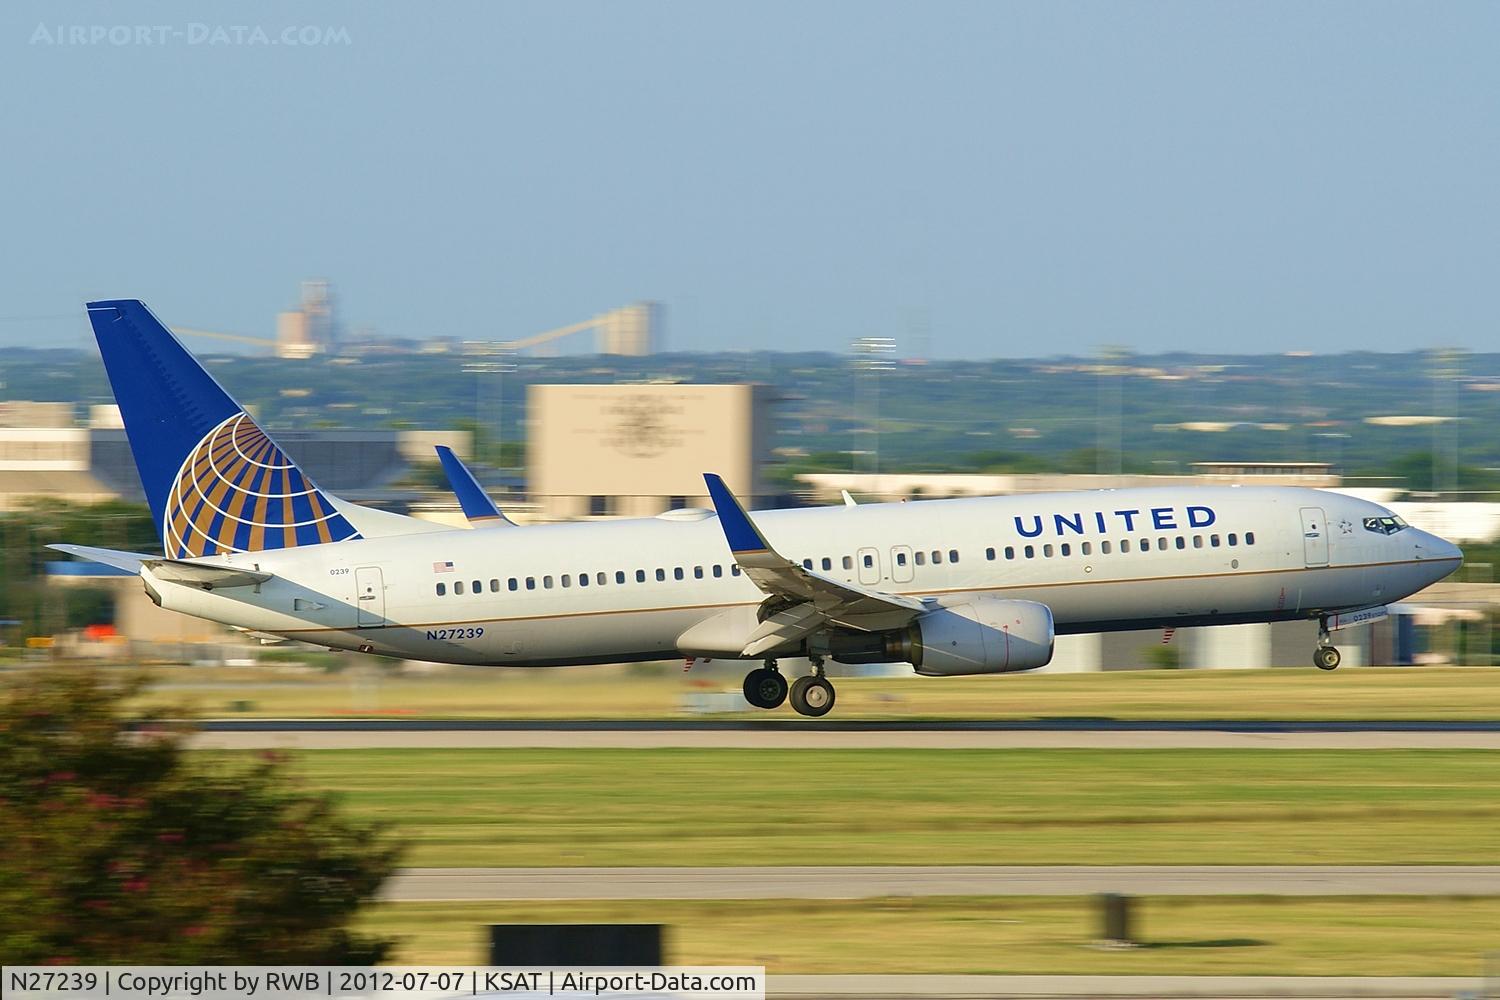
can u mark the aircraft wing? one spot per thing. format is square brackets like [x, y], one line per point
[475, 502]
[827, 601]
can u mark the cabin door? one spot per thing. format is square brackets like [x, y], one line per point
[1314, 536]
[369, 588]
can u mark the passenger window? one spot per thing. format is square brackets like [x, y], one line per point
[583, 579]
[619, 576]
[1213, 541]
[640, 576]
[478, 587]
[1181, 542]
[1065, 549]
[1145, 545]
[531, 583]
[827, 564]
[1087, 548]
[900, 558]
[920, 558]
[1010, 552]
[458, 587]
[807, 564]
[1047, 551]
[1233, 539]
[734, 570]
[718, 571]
[1124, 545]
[677, 573]
[1104, 548]
[848, 562]
[442, 589]
[697, 572]
[1249, 538]
[989, 554]
[937, 558]
[567, 579]
[513, 583]
[1197, 541]
[1161, 545]
[869, 562]
[601, 578]
[661, 576]
[953, 555]
[494, 586]
[547, 582]
[1030, 552]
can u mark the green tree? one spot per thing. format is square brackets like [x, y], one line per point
[121, 844]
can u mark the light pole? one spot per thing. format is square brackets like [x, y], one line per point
[872, 355]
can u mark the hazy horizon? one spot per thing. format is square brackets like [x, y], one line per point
[974, 180]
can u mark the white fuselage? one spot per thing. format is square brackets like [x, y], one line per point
[518, 596]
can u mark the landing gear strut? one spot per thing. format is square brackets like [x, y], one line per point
[765, 687]
[1326, 656]
[813, 695]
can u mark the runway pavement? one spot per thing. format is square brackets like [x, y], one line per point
[858, 882]
[309, 734]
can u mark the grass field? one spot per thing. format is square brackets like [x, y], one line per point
[784, 807]
[1180, 936]
[602, 693]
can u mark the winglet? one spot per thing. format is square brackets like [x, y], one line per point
[743, 536]
[475, 502]
[848, 500]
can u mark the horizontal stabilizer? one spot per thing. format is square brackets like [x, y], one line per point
[208, 577]
[128, 561]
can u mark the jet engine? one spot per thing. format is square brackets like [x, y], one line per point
[972, 635]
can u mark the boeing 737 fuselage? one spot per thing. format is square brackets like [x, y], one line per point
[969, 586]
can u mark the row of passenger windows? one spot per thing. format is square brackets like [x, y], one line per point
[936, 557]
[1145, 545]
[599, 579]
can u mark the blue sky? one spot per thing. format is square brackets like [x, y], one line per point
[1012, 178]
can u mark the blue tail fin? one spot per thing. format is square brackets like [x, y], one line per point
[215, 481]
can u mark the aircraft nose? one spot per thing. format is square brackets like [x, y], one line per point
[1436, 549]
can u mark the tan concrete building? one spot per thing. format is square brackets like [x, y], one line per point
[637, 450]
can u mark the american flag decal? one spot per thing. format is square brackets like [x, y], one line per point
[442, 567]
[1166, 635]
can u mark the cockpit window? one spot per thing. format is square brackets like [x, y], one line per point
[1384, 525]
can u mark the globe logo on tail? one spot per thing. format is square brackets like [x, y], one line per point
[238, 492]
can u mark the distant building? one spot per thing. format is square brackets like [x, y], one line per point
[93, 464]
[311, 328]
[637, 450]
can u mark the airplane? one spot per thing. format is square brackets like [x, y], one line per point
[952, 587]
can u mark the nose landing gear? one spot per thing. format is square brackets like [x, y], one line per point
[1326, 656]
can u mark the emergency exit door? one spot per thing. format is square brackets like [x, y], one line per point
[1314, 536]
[369, 592]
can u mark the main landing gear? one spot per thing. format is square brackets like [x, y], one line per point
[1326, 656]
[813, 695]
[765, 687]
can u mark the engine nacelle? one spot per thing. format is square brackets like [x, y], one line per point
[978, 635]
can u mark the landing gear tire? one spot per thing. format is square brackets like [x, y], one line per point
[765, 687]
[1326, 658]
[812, 696]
